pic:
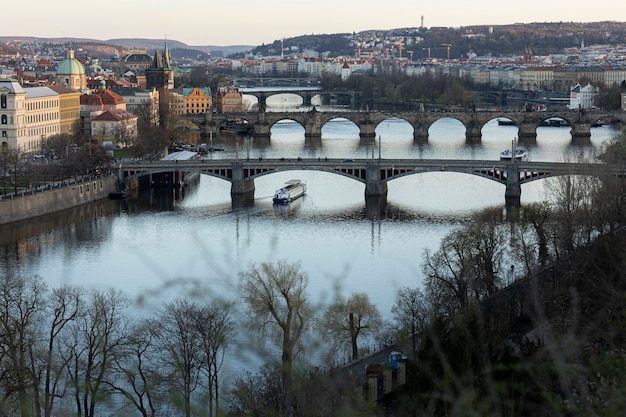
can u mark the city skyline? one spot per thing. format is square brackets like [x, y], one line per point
[248, 22]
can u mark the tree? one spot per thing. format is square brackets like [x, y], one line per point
[344, 321]
[176, 336]
[21, 316]
[151, 141]
[137, 377]
[276, 298]
[64, 306]
[411, 314]
[99, 336]
[215, 328]
[467, 266]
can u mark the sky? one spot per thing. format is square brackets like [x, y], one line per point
[255, 22]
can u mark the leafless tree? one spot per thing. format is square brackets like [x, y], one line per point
[21, 315]
[215, 327]
[99, 335]
[467, 266]
[137, 377]
[176, 336]
[411, 313]
[64, 306]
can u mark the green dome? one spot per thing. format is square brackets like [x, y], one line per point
[70, 66]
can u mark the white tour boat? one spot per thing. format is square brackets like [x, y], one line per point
[518, 152]
[292, 190]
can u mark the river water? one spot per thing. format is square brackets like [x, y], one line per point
[156, 247]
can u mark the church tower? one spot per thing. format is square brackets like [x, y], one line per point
[160, 73]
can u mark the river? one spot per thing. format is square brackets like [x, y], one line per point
[157, 247]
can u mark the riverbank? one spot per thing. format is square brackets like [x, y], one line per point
[52, 198]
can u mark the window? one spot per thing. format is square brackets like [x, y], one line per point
[3, 101]
[4, 133]
[4, 119]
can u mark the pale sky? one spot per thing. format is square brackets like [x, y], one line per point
[254, 22]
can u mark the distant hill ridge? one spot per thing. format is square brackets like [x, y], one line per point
[134, 43]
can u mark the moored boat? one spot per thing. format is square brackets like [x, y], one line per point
[119, 195]
[292, 190]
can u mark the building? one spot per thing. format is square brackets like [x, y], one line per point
[27, 116]
[136, 61]
[69, 108]
[93, 105]
[583, 97]
[142, 102]
[71, 73]
[229, 100]
[197, 100]
[115, 125]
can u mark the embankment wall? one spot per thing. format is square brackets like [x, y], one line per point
[34, 203]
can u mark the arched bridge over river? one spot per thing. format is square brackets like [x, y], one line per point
[261, 122]
[374, 173]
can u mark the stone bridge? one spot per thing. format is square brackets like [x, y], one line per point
[374, 173]
[313, 120]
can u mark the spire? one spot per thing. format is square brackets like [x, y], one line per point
[157, 61]
[167, 61]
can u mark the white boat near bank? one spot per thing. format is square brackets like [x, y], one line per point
[292, 190]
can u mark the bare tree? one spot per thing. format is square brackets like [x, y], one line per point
[411, 312]
[137, 377]
[64, 307]
[21, 314]
[125, 133]
[99, 335]
[467, 266]
[277, 300]
[344, 321]
[215, 328]
[176, 337]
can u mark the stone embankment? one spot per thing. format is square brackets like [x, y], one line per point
[55, 197]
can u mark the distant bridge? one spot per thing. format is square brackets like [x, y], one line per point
[313, 120]
[374, 173]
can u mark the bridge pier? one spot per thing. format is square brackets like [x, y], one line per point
[513, 192]
[375, 191]
[375, 206]
[420, 131]
[242, 189]
[527, 131]
[313, 124]
[581, 133]
[473, 132]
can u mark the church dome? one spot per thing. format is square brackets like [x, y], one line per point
[70, 66]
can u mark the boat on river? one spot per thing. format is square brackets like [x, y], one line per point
[520, 155]
[292, 190]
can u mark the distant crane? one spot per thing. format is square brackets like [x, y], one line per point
[411, 55]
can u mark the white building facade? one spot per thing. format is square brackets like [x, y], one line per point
[27, 116]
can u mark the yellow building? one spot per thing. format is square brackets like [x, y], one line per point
[197, 100]
[69, 108]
